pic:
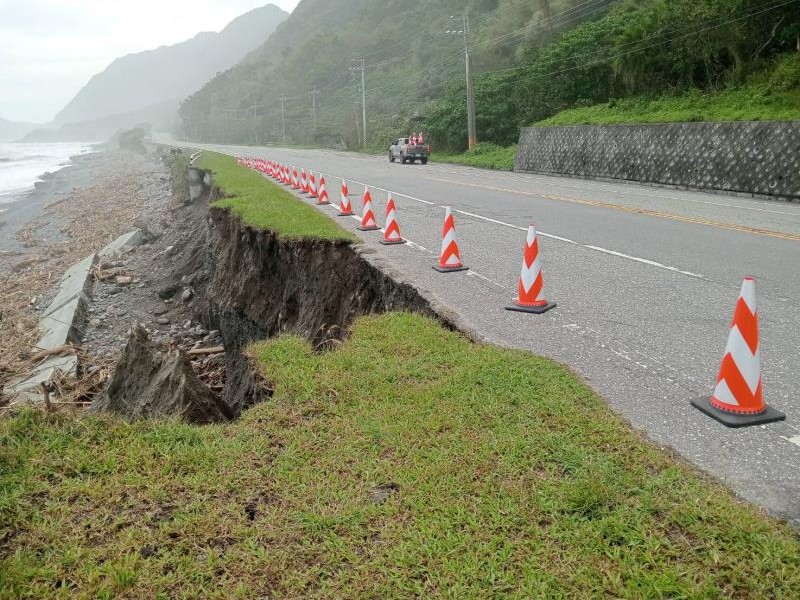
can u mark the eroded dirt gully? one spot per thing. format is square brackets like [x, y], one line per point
[254, 286]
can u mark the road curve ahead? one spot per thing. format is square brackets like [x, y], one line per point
[645, 279]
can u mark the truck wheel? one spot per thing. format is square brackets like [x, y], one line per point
[391, 157]
[424, 161]
[403, 158]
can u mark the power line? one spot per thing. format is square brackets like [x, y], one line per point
[580, 11]
[409, 41]
[633, 51]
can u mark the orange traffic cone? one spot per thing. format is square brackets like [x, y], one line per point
[449, 256]
[531, 280]
[367, 216]
[303, 181]
[391, 233]
[312, 184]
[295, 179]
[738, 397]
[345, 209]
[323, 192]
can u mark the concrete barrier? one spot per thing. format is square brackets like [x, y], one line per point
[75, 283]
[123, 244]
[60, 324]
[197, 184]
[28, 389]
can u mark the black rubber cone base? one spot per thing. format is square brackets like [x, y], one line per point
[360, 228]
[392, 243]
[345, 214]
[536, 310]
[450, 269]
[733, 420]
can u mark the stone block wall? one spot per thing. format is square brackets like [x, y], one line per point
[760, 158]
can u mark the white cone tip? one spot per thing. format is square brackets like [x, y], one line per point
[748, 293]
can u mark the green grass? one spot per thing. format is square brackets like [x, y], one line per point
[406, 463]
[265, 205]
[733, 105]
[485, 155]
[771, 93]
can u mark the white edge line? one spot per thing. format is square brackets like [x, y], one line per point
[645, 261]
[411, 244]
[638, 259]
[375, 187]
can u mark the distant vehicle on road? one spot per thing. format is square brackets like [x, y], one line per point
[409, 149]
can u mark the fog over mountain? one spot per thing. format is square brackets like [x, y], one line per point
[169, 73]
[11, 130]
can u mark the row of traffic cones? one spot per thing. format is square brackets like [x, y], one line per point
[531, 280]
[738, 396]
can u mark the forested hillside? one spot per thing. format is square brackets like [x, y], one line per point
[408, 59]
[532, 58]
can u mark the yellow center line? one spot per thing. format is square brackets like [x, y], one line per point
[631, 209]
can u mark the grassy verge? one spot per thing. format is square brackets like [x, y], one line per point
[262, 204]
[484, 155]
[407, 463]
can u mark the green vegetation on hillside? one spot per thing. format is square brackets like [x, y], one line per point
[770, 96]
[408, 61]
[263, 204]
[645, 48]
[533, 59]
[406, 463]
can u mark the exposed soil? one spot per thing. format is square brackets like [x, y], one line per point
[149, 383]
[207, 284]
[260, 286]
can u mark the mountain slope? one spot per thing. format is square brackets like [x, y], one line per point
[532, 59]
[11, 130]
[170, 73]
[408, 59]
[161, 117]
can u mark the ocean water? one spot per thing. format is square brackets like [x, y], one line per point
[21, 165]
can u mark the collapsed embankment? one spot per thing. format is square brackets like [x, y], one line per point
[254, 285]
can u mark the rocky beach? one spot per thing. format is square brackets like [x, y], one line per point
[75, 213]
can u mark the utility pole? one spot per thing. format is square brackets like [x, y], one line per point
[283, 117]
[254, 127]
[314, 97]
[472, 133]
[360, 67]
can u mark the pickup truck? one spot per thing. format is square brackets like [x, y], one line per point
[403, 150]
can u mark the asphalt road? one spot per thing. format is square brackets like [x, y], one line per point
[645, 279]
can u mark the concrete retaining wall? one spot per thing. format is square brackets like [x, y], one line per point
[761, 158]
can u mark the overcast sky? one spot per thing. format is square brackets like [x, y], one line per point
[50, 48]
